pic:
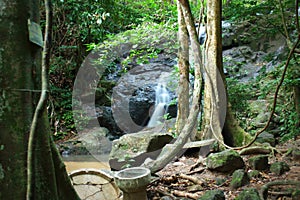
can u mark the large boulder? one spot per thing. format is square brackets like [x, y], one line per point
[133, 149]
[225, 161]
[105, 118]
[93, 142]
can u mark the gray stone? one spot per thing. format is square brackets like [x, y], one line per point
[133, 149]
[213, 195]
[225, 161]
[266, 137]
[259, 162]
[248, 194]
[279, 168]
[94, 142]
[239, 179]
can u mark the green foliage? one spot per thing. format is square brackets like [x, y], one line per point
[238, 93]
[143, 43]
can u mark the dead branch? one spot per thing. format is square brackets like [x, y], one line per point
[191, 178]
[186, 194]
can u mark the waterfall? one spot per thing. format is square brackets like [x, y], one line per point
[162, 100]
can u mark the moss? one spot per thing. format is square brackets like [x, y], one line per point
[1, 172]
[248, 194]
[239, 178]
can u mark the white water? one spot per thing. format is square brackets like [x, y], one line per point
[162, 100]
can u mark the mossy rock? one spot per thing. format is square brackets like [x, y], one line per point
[254, 174]
[259, 162]
[248, 194]
[279, 168]
[225, 161]
[239, 179]
[213, 195]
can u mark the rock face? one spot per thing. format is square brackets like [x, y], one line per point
[133, 149]
[225, 161]
[133, 96]
[140, 104]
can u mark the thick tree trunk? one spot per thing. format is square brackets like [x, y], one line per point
[183, 64]
[215, 100]
[20, 62]
[218, 121]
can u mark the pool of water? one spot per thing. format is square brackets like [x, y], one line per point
[76, 162]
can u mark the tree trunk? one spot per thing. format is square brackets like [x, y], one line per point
[218, 120]
[20, 65]
[183, 65]
[170, 151]
[215, 99]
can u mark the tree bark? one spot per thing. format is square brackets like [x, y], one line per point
[215, 99]
[183, 65]
[20, 66]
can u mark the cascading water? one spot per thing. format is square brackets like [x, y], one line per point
[162, 100]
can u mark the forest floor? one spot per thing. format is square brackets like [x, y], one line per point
[188, 178]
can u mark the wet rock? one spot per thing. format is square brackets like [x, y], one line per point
[259, 162]
[225, 161]
[133, 149]
[279, 168]
[134, 97]
[105, 118]
[140, 104]
[213, 195]
[239, 179]
[248, 194]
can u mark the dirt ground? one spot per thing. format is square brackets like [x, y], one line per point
[187, 177]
